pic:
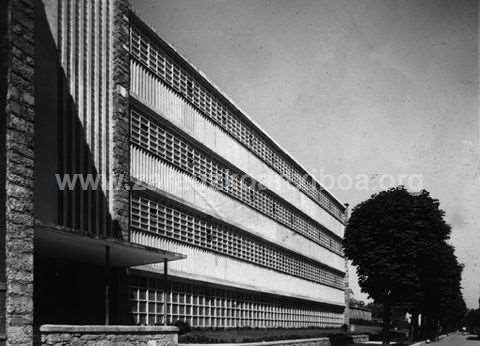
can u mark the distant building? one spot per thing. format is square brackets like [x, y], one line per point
[191, 219]
[360, 313]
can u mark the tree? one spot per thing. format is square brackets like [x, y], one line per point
[454, 312]
[388, 238]
[440, 275]
[473, 321]
[438, 299]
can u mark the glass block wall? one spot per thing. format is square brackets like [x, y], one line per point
[209, 307]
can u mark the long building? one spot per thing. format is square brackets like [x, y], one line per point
[198, 214]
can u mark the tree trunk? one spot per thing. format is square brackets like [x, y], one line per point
[424, 327]
[386, 324]
[436, 330]
[413, 327]
[416, 328]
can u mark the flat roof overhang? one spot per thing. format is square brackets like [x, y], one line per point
[53, 242]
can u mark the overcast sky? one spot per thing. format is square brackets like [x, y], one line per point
[360, 88]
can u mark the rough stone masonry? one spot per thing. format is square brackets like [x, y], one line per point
[18, 163]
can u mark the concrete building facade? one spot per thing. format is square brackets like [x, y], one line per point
[230, 199]
[147, 196]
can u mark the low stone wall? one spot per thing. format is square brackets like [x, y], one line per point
[298, 342]
[66, 335]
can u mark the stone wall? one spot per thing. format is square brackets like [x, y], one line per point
[121, 123]
[121, 147]
[3, 95]
[66, 335]
[361, 338]
[18, 160]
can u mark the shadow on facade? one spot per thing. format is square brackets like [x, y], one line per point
[67, 292]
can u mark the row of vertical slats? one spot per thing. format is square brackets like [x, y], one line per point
[148, 89]
[159, 175]
[163, 220]
[213, 266]
[152, 91]
[85, 116]
[169, 69]
[146, 168]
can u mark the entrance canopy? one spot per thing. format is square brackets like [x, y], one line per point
[56, 243]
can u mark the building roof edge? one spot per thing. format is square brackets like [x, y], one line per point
[213, 87]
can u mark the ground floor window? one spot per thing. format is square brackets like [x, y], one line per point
[152, 299]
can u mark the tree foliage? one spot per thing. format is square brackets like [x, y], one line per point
[440, 277]
[473, 321]
[398, 242]
[381, 244]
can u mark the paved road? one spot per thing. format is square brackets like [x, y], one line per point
[458, 340]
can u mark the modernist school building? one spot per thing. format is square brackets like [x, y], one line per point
[254, 257]
[199, 215]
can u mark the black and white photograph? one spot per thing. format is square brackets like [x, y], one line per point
[239, 172]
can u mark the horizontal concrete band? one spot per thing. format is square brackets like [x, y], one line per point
[104, 329]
